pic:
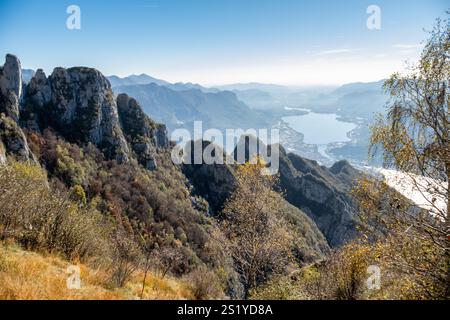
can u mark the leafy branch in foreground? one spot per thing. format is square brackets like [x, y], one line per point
[414, 137]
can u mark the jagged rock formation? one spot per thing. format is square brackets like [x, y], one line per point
[12, 138]
[83, 109]
[10, 87]
[38, 90]
[141, 132]
[322, 193]
[214, 182]
[78, 104]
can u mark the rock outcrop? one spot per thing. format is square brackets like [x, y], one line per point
[78, 104]
[10, 87]
[214, 182]
[322, 193]
[82, 108]
[38, 90]
[143, 134]
[12, 138]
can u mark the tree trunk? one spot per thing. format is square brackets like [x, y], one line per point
[447, 234]
[145, 275]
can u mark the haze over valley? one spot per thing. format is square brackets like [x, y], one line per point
[324, 123]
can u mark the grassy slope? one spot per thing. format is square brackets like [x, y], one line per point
[26, 275]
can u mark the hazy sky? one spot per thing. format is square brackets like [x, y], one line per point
[216, 42]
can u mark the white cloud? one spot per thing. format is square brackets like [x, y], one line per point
[334, 51]
[406, 46]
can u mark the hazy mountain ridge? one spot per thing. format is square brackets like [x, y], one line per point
[146, 79]
[180, 108]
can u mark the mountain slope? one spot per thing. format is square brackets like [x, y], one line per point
[322, 193]
[113, 156]
[26, 275]
[216, 183]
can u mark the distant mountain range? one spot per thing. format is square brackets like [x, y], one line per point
[146, 79]
[353, 100]
[180, 108]
[27, 74]
[356, 99]
[256, 105]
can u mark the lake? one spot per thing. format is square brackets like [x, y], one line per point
[320, 129]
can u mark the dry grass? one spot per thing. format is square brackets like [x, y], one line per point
[26, 275]
[157, 288]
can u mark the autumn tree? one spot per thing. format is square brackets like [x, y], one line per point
[414, 139]
[253, 224]
[342, 276]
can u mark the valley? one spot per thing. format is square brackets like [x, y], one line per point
[326, 124]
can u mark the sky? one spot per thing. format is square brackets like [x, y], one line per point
[212, 42]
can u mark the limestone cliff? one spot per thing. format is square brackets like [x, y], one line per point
[12, 138]
[322, 193]
[79, 105]
[82, 108]
[143, 134]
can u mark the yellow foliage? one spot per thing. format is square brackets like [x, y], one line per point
[79, 194]
[27, 171]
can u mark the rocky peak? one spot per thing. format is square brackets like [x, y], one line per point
[143, 134]
[39, 90]
[80, 105]
[322, 194]
[10, 87]
[216, 182]
[12, 138]
[11, 76]
[136, 122]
